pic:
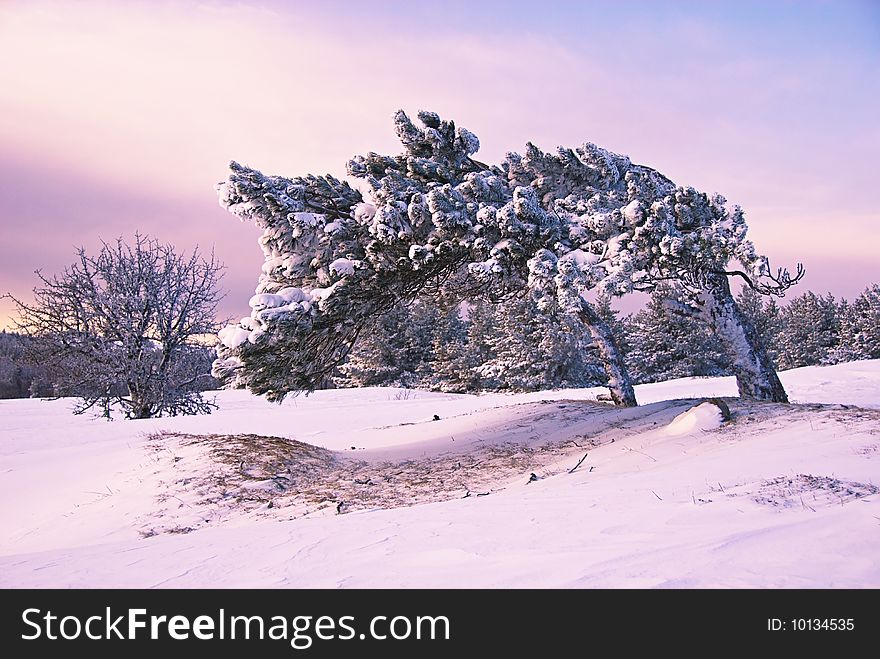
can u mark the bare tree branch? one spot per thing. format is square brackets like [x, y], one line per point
[121, 328]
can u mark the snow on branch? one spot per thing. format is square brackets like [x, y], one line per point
[558, 224]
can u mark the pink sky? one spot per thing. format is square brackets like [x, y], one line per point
[120, 116]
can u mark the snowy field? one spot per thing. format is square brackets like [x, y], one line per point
[364, 488]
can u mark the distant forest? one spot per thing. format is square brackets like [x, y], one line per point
[513, 346]
[21, 377]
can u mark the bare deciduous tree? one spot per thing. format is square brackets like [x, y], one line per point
[122, 328]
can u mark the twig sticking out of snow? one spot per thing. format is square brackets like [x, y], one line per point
[580, 462]
[632, 450]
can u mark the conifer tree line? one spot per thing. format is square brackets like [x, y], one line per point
[513, 346]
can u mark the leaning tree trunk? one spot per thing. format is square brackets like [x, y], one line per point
[755, 374]
[619, 381]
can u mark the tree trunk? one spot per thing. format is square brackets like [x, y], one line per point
[139, 406]
[756, 376]
[619, 381]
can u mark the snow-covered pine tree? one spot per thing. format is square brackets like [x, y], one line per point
[448, 369]
[529, 350]
[508, 346]
[860, 326]
[630, 228]
[396, 349]
[560, 225]
[611, 316]
[376, 359]
[847, 348]
[810, 331]
[665, 345]
[765, 316]
[481, 332]
[333, 261]
[416, 353]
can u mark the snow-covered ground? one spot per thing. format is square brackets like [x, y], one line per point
[374, 492]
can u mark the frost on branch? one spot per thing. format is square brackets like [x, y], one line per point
[122, 329]
[348, 259]
[558, 224]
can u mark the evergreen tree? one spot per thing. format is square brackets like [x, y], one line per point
[481, 328]
[665, 344]
[611, 316]
[416, 354]
[810, 331]
[528, 349]
[559, 225]
[376, 361]
[449, 369]
[395, 349]
[765, 316]
[860, 326]
[514, 345]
